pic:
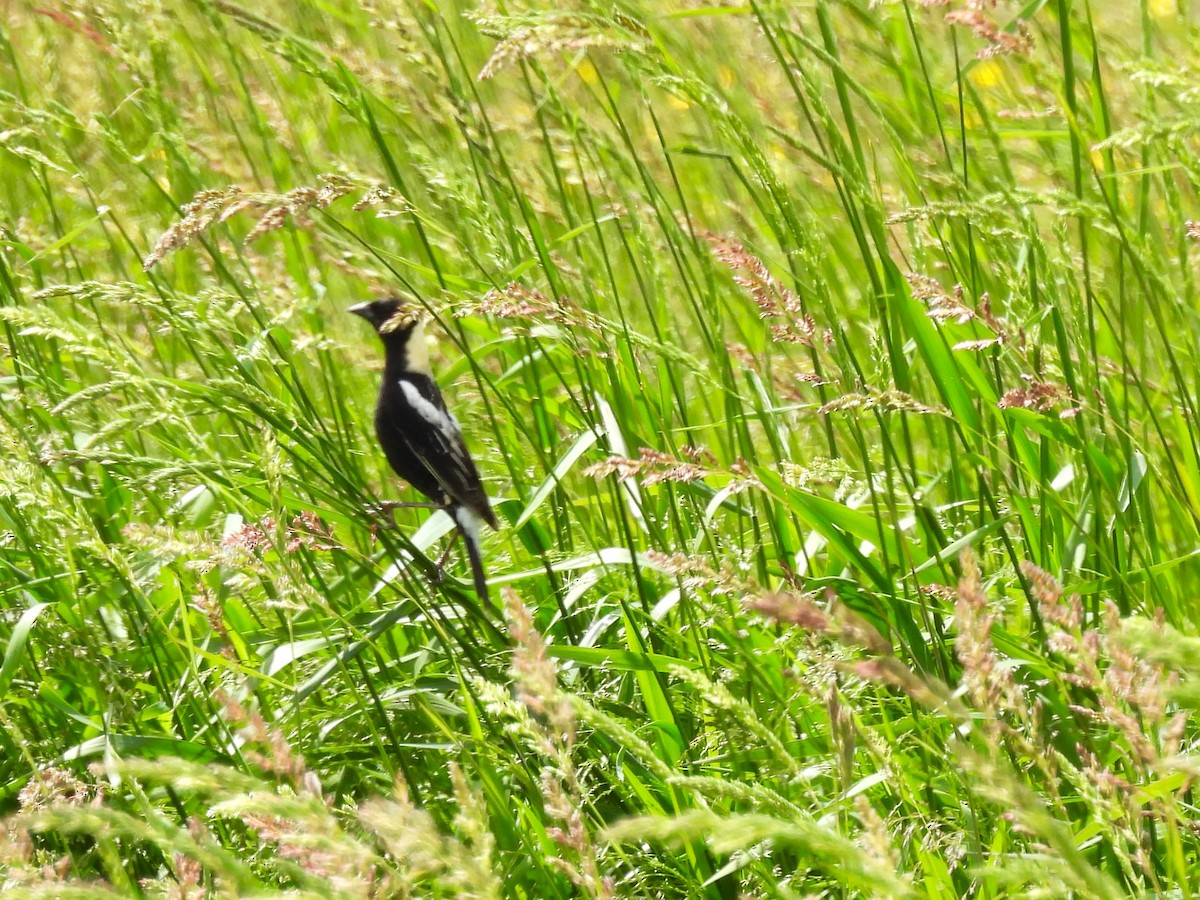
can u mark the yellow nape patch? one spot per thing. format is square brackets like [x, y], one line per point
[416, 351]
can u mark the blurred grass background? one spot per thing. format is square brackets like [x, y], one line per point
[832, 367]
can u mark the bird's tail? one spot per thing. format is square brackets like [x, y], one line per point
[468, 524]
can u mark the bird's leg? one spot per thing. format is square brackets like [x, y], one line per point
[439, 574]
[384, 508]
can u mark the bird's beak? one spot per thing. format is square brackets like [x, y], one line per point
[360, 309]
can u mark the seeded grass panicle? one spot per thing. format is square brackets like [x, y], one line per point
[385, 845]
[829, 366]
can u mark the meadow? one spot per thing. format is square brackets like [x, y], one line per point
[832, 369]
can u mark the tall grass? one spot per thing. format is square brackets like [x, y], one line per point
[833, 371]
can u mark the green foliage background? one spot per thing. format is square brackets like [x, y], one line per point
[832, 367]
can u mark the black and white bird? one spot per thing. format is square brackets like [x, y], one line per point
[420, 437]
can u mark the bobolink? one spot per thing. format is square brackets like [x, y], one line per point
[420, 437]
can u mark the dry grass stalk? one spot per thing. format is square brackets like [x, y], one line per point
[888, 401]
[833, 619]
[209, 208]
[774, 300]
[559, 34]
[990, 685]
[515, 301]
[653, 467]
[1042, 397]
[562, 792]
[999, 42]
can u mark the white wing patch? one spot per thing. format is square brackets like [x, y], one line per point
[443, 423]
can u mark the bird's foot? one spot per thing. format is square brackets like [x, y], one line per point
[438, 577]
[384, 508]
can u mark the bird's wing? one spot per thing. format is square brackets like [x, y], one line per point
[441, 449]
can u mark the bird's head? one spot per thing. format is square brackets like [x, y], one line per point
[402, 330]
[388, 315]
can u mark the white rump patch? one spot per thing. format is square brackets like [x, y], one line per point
[468, 522]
